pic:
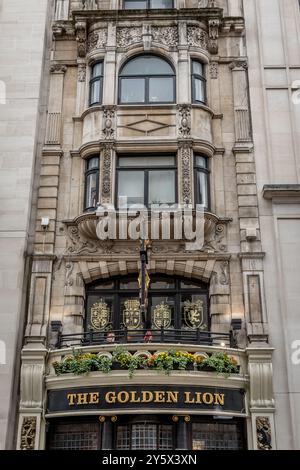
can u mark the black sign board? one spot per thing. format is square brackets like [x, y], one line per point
[139, 397]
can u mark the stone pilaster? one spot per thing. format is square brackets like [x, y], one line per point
[185, 171]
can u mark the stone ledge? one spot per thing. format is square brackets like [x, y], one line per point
[271, 191]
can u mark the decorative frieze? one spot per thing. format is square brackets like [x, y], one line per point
[107, 173]
[58, 68]
[214, 70]
[166, 35]
[127, 36]
[28, 433]
[184, 117]
[108, 119]
[197, 37]
[263, 432]
[185, 158]
[97, 39]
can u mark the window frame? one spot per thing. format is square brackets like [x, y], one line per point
[148, 6]
[146, 171]
[98, 78]
[196, 76]
[146, 79]
[87, 173]
[205, 171]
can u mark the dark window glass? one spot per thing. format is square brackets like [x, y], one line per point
[146, 181]
[147, 79]
[74, 436]
[202, 181]
[96, 83]
[143, 4]
[91, 183]
[217, 436]
[144, 436]
[198, 82]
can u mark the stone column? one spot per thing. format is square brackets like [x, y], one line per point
[183, 73]
[74, 297]
[182, 433]
[219, 292]
[185, 172]
[109, 91]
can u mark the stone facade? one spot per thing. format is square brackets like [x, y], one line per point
[65, 254]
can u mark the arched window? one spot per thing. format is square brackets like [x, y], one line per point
[198, 82]
[147, 79]
[147, 4]
[202, 181]
[91, 184]
[174, 304]
[96, 83]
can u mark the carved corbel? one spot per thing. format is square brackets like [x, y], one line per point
[109, 121]
[81, 38]
[184, 118]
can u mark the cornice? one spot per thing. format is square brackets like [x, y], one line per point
[281, 191]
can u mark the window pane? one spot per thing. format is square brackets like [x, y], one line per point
[147, 65]
[202, 189]
[97, 69]
[102, 322]
[144, 436]
[132, 4]
[194, 311]
[96, 92]
[161, 90]
[161, 3]
[162, 187]
[133, 90]
[162, 283]
[201, 161]
[130, 184]
[130, 284]
[197, 68]
[199, 90]
[93, 163]
[91, 197]
[216, 436]
[162, 312]
[147, 161]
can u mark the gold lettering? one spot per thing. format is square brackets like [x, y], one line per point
[208, 398]
[123, 397]
[71, 397]
[110, 397]
[159, 397]
[188, 398]
[134, 398]
[94, 397]
[198, 398]
[147, 396]
[172, 397]
[82, 398]
[219, 399]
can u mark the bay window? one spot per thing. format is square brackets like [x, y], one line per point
[198, 82]
[96, 83]
[202, 181]
[91, 184]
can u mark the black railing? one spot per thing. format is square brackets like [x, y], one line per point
[162, 335]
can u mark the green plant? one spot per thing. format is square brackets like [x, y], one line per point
[128, 361]
[220, 362]
[82, 364]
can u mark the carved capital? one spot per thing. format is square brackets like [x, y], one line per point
[58, 68]
[239, 65]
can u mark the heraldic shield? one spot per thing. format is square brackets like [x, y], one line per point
[162, 316]
[194, 314]
[100, 315]
[132, 317]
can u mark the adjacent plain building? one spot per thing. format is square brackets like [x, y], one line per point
[118, 104]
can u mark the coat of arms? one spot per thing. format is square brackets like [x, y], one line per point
[132, 314]
[100, 315]
[193, 314]
[162, 316]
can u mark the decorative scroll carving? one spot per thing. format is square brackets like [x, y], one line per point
[215, 242]
[58, 68]
[78, 245]
[186, 182]
[106, 171]
[80, 30]
[213, 27]
[69, 269]
[263, 430]
[108, 117]
[97, 40]
[184, 111]
[239, 64]
[127, 36]
[214, 70]
[197, 37]
[224, 275]
[81, 72]
[167, 35]
[28, 433]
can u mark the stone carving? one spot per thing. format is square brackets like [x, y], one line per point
[224, 275]
[108, 117]
[239, 64]
[263, 430]
[81, 72]
[63, 30]
[97, 40]
[69, 269]
[184, 111]
[167, 35]
[214, 242]
[186, 186]
[77, 245]
[80, 30]
[214, 70]
[197, 37]
[58, 68]
[28, 433]
[213, 27]
[106, 171]
[127, 36]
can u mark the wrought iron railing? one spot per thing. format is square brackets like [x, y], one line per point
[125, 336]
